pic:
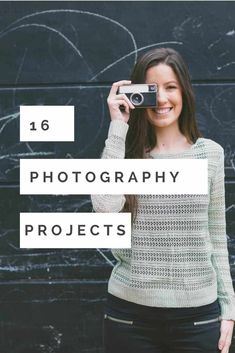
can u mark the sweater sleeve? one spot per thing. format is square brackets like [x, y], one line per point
[115, 149]
[217, 230]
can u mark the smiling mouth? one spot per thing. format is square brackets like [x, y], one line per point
[162, 111]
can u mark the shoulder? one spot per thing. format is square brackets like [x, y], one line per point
[212, 145]
[214, 152]
[212, 148]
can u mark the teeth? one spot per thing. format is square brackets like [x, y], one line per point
[162, 111]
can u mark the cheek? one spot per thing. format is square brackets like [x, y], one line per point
[180, 104]
[178, 101]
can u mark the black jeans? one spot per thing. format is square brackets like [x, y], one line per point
[134, 328]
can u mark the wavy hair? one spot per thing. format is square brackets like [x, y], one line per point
[141, 137]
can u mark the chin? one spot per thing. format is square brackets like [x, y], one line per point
[161, 122]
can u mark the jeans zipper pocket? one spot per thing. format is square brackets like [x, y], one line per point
[118, 320]
[206, 321]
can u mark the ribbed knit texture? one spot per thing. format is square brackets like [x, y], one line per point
[179, 255]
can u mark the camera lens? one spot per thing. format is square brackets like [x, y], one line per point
[136, 98]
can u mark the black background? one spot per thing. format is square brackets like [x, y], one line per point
[58, 53]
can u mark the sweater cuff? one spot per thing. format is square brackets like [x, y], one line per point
[118, 128]
[227, 311]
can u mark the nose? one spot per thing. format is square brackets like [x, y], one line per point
[161, 95]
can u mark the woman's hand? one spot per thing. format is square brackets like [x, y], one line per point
[115, 100]
[226, 330]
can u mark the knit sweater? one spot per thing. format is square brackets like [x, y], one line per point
[179, 255]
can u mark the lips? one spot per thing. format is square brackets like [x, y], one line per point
[162, 111]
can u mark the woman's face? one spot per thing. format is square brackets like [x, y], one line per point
[169, 96]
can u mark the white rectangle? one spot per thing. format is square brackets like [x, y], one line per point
[74, 176]
[46, 123]
[75, 230]
[133, 88]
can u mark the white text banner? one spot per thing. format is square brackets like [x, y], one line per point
[113, 176]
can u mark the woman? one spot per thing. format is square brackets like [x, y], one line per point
[172, 291]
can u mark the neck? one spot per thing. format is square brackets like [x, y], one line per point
[169, 138]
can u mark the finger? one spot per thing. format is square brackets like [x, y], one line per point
[124, 96]
[117, 84]
[122, 102]
[227, 344]
[224, 340]
[117, 102]
[225, 349]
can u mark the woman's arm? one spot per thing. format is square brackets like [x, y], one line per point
[217, 230]
[115, 144]
[114, 148]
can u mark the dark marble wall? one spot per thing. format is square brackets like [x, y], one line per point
[61, 53]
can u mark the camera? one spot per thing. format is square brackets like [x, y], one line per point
[141, 95]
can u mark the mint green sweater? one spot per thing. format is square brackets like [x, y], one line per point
[179, 255]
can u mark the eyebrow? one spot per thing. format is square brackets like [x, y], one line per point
[171, 82]
[166, 83]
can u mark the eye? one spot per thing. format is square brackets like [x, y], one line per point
[171, 87]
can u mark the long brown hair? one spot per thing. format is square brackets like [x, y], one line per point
[141, 137]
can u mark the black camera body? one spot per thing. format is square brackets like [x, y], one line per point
[141, 95]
